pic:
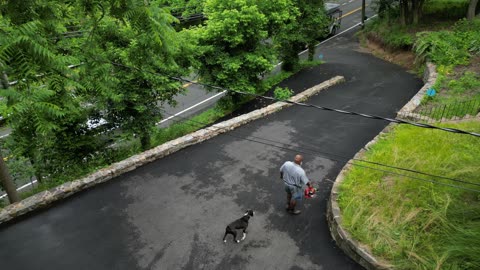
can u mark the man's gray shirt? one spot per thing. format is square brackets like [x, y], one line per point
[293, 174]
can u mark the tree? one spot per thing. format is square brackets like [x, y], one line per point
[387, 8]
[185, 7]
[236, 47]
[7, 182]
[410, 11]
[234, 51]
[472, 6]
[127, 52]
[309, 25]
[5, 179]
[46, 92]
[129, 61]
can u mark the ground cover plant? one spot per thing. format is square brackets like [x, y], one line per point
[418, 224]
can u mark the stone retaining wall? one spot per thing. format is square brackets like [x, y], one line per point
[429, 78]
[65, 190]
[357, 251]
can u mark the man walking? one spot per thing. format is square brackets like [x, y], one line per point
[295, 179]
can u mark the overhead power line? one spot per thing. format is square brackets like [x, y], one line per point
[305, 150]
[376, 117]
[392, 120]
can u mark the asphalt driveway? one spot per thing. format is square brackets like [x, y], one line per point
[171, 214]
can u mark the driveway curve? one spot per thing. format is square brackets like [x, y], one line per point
[171, 214]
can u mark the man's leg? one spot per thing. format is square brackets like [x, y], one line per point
[289, 200]
[293, 203]
[289, 196]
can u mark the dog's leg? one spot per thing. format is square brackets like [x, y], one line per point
[244, 234]
[225, 236]
[235, 237]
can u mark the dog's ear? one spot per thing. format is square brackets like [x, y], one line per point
[249, 212]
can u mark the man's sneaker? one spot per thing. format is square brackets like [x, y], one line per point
[294, 212]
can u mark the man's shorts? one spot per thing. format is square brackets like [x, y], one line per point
[296, 192]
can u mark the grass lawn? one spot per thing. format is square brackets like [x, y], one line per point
[415, 224]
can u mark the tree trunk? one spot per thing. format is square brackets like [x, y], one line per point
[38, 173]
[415, 7]
[471, 9]
[311, 51]
[382, 9]
[408, 11]
[290, 61]
[7, 182]
[145, 140]
[5, 178]
[4, 80]
[403, 8]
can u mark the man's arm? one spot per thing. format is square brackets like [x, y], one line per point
[305, 179]
[281, 171]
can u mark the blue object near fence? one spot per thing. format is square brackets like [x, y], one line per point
[431, 92]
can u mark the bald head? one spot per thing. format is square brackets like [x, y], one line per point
[298, 159]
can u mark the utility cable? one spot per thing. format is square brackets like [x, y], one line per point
[343, 159]
[371, 116]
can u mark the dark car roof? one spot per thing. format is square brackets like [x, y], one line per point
[331, 7]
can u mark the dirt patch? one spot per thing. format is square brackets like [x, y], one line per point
[474, 67]
[404, 58]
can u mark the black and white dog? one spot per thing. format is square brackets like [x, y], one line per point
[239, 224]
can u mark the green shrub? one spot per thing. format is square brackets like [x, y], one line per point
[467, 82]
[391, 34]
[282, 93]
[450, 48]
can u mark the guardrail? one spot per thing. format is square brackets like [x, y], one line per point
[444, 112]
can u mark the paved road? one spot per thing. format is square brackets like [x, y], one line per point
[171, 213]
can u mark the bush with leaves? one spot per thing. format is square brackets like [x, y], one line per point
[128, 64]
[233, 52]
[45, 93]
[184, 8]
[282, 93]
[308, 24]
[450, 48]
[127, 53]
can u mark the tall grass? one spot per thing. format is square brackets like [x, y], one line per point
[415, 224]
